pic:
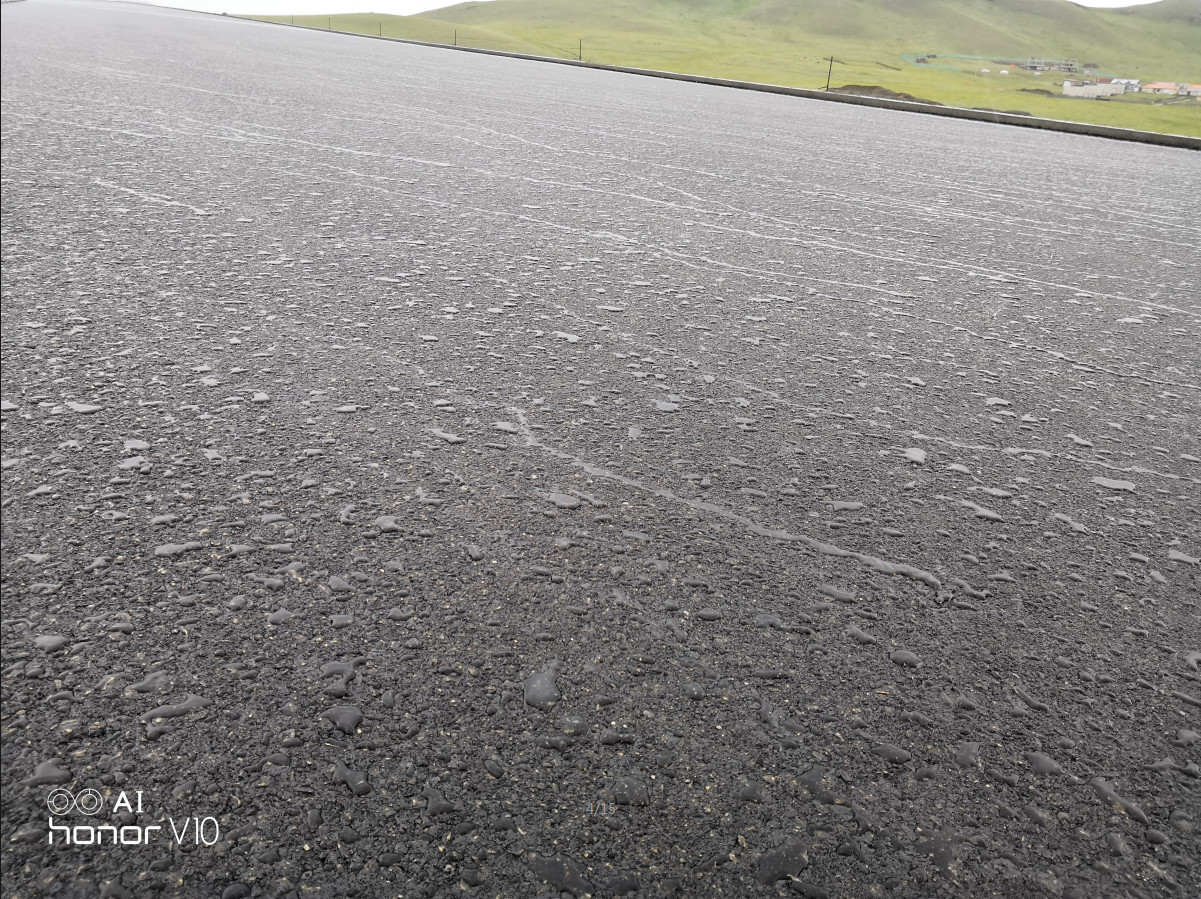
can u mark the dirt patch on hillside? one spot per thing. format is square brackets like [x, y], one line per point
[874, 90]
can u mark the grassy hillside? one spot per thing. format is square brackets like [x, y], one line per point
[1187, 11]
[874, 43]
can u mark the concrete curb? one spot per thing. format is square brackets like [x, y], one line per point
[979, 115]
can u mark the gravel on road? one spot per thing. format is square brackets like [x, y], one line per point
[432, 475]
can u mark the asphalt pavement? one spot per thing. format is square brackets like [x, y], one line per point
[430, 475]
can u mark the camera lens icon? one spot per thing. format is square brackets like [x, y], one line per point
[86, 802]
[60, 802]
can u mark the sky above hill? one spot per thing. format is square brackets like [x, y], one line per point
[392, 7]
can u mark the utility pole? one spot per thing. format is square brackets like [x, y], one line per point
[829, 72]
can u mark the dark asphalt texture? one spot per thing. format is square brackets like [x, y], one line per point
[435, 475]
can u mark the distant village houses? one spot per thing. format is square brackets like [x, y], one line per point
[1172, 88]
[1100, 87]
[1050, 65]
[1110, 87]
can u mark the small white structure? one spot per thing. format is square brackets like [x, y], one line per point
[1004, 71]
[984, 71]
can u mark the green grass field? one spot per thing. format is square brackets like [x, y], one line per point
[789, 42]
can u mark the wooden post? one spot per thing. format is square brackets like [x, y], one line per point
[581, 49]
[829, 73]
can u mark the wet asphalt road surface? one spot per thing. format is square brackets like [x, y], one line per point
[430, 475]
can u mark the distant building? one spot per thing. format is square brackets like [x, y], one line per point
[1165, 87]
[1092, 89]
[1051, 65]
[1193, 90]
[1129, 85]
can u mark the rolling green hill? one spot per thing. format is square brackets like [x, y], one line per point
[876, 44]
